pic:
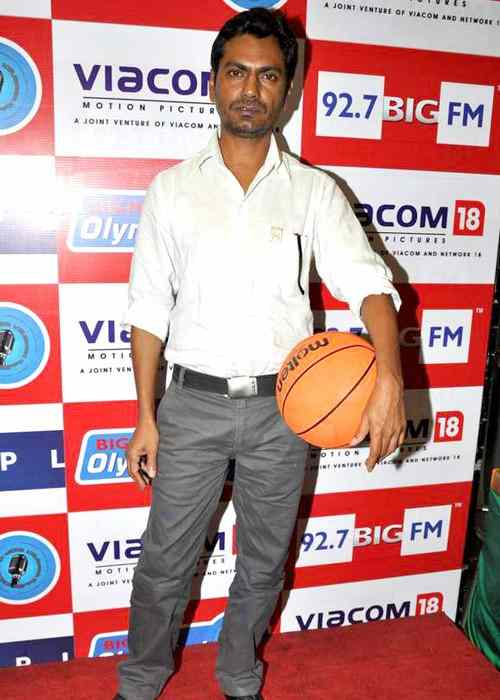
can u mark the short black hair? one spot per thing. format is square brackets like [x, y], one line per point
[261, 23]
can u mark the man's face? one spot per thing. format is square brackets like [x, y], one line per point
[249, 90]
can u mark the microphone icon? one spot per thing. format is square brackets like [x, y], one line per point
[7, 341]
[17, 566]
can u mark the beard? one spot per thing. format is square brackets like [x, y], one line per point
[247, 127]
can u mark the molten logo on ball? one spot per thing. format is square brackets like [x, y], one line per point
[324, 385]
[293, 363]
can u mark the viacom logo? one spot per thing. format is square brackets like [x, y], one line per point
[102, 457]
[166, 90]
[20, 87]
[422, 604]
[29, 567]
[460, 218]
[106, 222]
[354, 106]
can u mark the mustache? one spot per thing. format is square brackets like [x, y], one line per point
[245, 104]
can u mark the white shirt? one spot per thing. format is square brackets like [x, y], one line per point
[217, 268]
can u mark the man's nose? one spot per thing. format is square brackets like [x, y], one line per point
[251, 86]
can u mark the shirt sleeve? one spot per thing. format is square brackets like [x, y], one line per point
[151, 291]
[344, 258]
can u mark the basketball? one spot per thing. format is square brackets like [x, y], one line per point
[323, 387]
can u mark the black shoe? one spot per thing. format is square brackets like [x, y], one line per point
[119, 697]
[258, 696]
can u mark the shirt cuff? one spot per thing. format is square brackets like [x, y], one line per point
[356, 302]
[148, 317]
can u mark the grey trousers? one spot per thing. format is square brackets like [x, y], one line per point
[199, 432]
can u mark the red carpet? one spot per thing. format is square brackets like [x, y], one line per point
[423, 658]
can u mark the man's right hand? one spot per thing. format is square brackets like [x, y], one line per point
[144, 443]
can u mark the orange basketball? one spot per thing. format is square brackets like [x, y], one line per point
[324, 385]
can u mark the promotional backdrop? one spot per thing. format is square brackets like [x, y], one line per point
[400, 101]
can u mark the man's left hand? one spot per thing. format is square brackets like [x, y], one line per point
[384, 418]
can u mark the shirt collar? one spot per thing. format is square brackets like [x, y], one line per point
[274, 158]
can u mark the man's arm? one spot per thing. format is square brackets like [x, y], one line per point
[384, 416]
[146, 349]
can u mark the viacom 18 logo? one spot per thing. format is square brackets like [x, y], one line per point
[24, 345]
[332, 539]
[354, 106]
[460, 218]
[29, 567]
[20, 87]
[422, 604]
[102, 457]
[106, 221]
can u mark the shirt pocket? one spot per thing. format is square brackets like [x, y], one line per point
[292, 259]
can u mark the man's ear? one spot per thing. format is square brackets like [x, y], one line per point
[211, 86]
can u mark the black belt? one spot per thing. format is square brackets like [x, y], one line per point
[233, 388]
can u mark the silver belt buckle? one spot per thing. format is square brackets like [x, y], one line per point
[241, 387]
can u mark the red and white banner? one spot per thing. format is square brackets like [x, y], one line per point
[399, 102]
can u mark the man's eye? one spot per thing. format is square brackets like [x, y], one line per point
[235, 72]
[270, 76]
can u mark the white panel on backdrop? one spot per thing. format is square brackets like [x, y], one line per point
[136, 92]
[26, 8]
[439, 447]
[104, 547]
[428, 226]
[42, 627]
[365, 91]
[29, 208]
[458, 97]
[468, 26]
[95, 349]
[369, 601]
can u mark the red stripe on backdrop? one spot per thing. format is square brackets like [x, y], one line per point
[408, 142]
[35, 37]
[42, 301]
[78, 176]
[54, 529]
[103, 493]
[474, 299]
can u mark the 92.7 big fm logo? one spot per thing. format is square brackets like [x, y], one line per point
[389, 107]
[394, 532]
[355, 106]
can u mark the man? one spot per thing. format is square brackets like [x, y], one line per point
[221, 264]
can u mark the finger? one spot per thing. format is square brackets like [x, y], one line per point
[388, 445]
[133, 463]
[373, 456]
[392, 446]
[150, 465]
[361, 433]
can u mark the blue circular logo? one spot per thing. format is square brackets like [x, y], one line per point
[24, 346]
[29, 567]
[20, 87]
[249, 4]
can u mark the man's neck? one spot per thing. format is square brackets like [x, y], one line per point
[244, 157]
